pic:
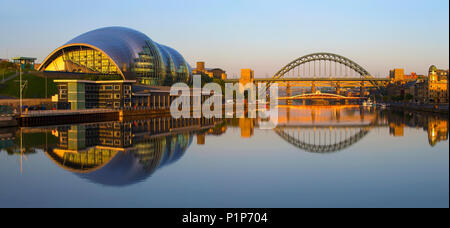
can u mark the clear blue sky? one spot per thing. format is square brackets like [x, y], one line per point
[233, 34]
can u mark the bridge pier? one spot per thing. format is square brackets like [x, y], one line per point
[288, 114]
[338, 115]
[361, 114]
[288, 94]
[313, 116]
[361, 89]
[313, 87]
[338, 88]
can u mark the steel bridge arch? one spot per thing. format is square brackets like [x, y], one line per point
[322, 148]
[326, 57]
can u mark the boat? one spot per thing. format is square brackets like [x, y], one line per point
[368, 103]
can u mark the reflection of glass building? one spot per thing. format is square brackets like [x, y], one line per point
[141, 161]
[123, 153]
[108, 154]
[117, 53]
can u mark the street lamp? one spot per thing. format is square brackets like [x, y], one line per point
[20, 88]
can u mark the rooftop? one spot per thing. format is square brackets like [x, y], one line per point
[211, 69]
[96, 82]
[24, 58]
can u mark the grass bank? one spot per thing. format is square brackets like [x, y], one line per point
[35, 87]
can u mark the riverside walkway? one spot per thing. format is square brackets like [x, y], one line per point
[51, 117]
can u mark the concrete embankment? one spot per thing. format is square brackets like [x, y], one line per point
[124, 114]
[57, 117]
[7, 121]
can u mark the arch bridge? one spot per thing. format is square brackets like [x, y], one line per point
[322, 70]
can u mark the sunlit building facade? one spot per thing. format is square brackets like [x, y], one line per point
[247, 76]
[397, 75]
[438, 85]
[25, 63]
[216, 73]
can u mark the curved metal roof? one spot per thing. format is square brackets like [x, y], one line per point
[166, 58]
[123, 46]
[177, 58]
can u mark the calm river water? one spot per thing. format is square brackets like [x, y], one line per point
[334, 156]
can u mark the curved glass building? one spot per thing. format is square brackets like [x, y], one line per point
[118, 52]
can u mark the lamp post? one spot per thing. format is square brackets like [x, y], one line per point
[20, 88]
[45, 86]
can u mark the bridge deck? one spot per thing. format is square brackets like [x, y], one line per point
[359, 79]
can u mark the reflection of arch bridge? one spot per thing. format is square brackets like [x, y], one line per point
[329, 131]
[323, 139]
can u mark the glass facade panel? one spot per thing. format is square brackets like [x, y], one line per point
[82, 60]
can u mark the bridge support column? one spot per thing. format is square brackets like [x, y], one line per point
[361, 89]
[338, 115]
[288, 94]
[313, 115]
[338, 88]
[313, 87]
[288, 114]
[361, 114]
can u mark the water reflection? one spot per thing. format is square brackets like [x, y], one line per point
[328, 129]
[127, 152]
[435, 125]
[113, 153]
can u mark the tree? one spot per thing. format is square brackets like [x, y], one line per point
[408, 97]
[205, 79]
[7, 66]
[221, 83]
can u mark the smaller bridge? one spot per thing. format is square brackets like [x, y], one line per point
[319, 95]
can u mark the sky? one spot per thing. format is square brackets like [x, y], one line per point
[262, 35]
